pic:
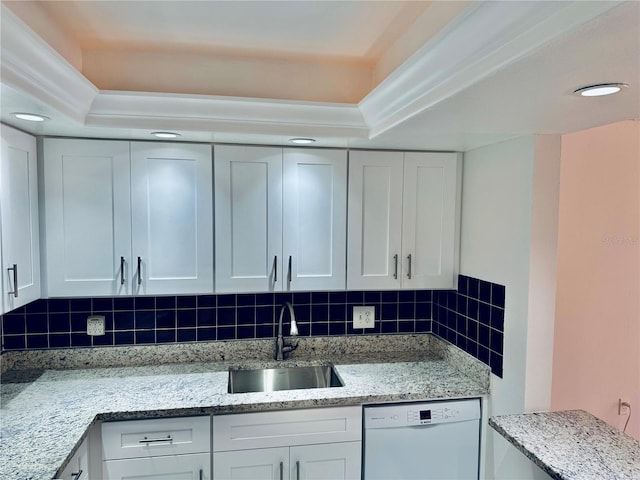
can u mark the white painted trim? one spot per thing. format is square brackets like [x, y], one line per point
[225, 114]
[469, 49]
[32, 66]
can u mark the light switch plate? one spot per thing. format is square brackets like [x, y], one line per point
[95, 325]
[364, 317]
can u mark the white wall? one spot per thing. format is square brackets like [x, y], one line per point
[507, 223]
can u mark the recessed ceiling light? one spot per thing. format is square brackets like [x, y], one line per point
[302, 141]
[600, 89]
[31, 117]
[165, 134]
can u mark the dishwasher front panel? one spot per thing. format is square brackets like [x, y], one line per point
[422, 441]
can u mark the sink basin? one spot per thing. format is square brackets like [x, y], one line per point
[290, 378]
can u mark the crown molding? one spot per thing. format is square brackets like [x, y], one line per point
[225, 114]
[472, 47]
[32, 66]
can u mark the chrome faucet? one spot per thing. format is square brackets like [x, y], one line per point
[282, 348]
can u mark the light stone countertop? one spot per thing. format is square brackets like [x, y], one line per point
[572, 445]
[45, 414]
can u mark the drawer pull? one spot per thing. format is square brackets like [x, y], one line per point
[76, 475]
[201, 475]
[297, 470]
[155, 441]
[281, 471]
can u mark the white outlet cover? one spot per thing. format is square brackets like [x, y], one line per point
[95, 325]
[364, 317]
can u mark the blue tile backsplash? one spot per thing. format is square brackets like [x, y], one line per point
[62, 322]
[471, 318]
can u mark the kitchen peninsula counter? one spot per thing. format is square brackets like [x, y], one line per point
[572, 445]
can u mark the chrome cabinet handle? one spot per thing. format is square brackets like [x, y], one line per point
[297, 470]
[275, 268]
[395, 270]
[200, 475]
[289, 272]
[76, 475]
[281, 471]
[139, 270]
[409, 270]
[151, 441]
[15, 280]
[121, 270]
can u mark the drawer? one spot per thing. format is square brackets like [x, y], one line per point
[156, 437]
[286, 428]
[180, 467]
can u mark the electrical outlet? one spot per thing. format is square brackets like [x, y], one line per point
[364, 317]
[623, 407]
[95, 325]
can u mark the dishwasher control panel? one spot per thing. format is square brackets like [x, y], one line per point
[426, 413]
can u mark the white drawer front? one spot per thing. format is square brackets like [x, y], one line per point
[180, 467]
[285, 428]
[155, 437]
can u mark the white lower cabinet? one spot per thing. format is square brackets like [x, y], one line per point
[323, 443]
[173, 467]
[264, 463]
[330, 461]
[165, 448]
[78, 466]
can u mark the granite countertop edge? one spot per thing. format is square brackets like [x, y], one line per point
[527, 453]
[571, 444]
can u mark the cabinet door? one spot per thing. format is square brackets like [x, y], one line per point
[88, 217]
[374, 220]
[335, 461]
[173, 467]
[19, 202]
[430, 220]
[78, 466]
[172, 218]
[260, 464]
[248, 206]
[314, 219]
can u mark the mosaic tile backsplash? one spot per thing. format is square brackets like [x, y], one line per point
[471, 318]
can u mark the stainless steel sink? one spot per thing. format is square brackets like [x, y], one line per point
[290, 378]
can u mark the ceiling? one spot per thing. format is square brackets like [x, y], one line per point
[389, 74]
[274, 28]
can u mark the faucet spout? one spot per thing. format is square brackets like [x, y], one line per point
[282, 348]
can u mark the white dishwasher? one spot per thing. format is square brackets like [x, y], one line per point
[430, 440]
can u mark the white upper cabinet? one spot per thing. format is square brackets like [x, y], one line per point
[375, 220]
[19, 215]
[248, 205]
[280, 219]
[125, 219]
[315, 219]
[172, 218]
[430, 219]
[403, 220]
[87, 217]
